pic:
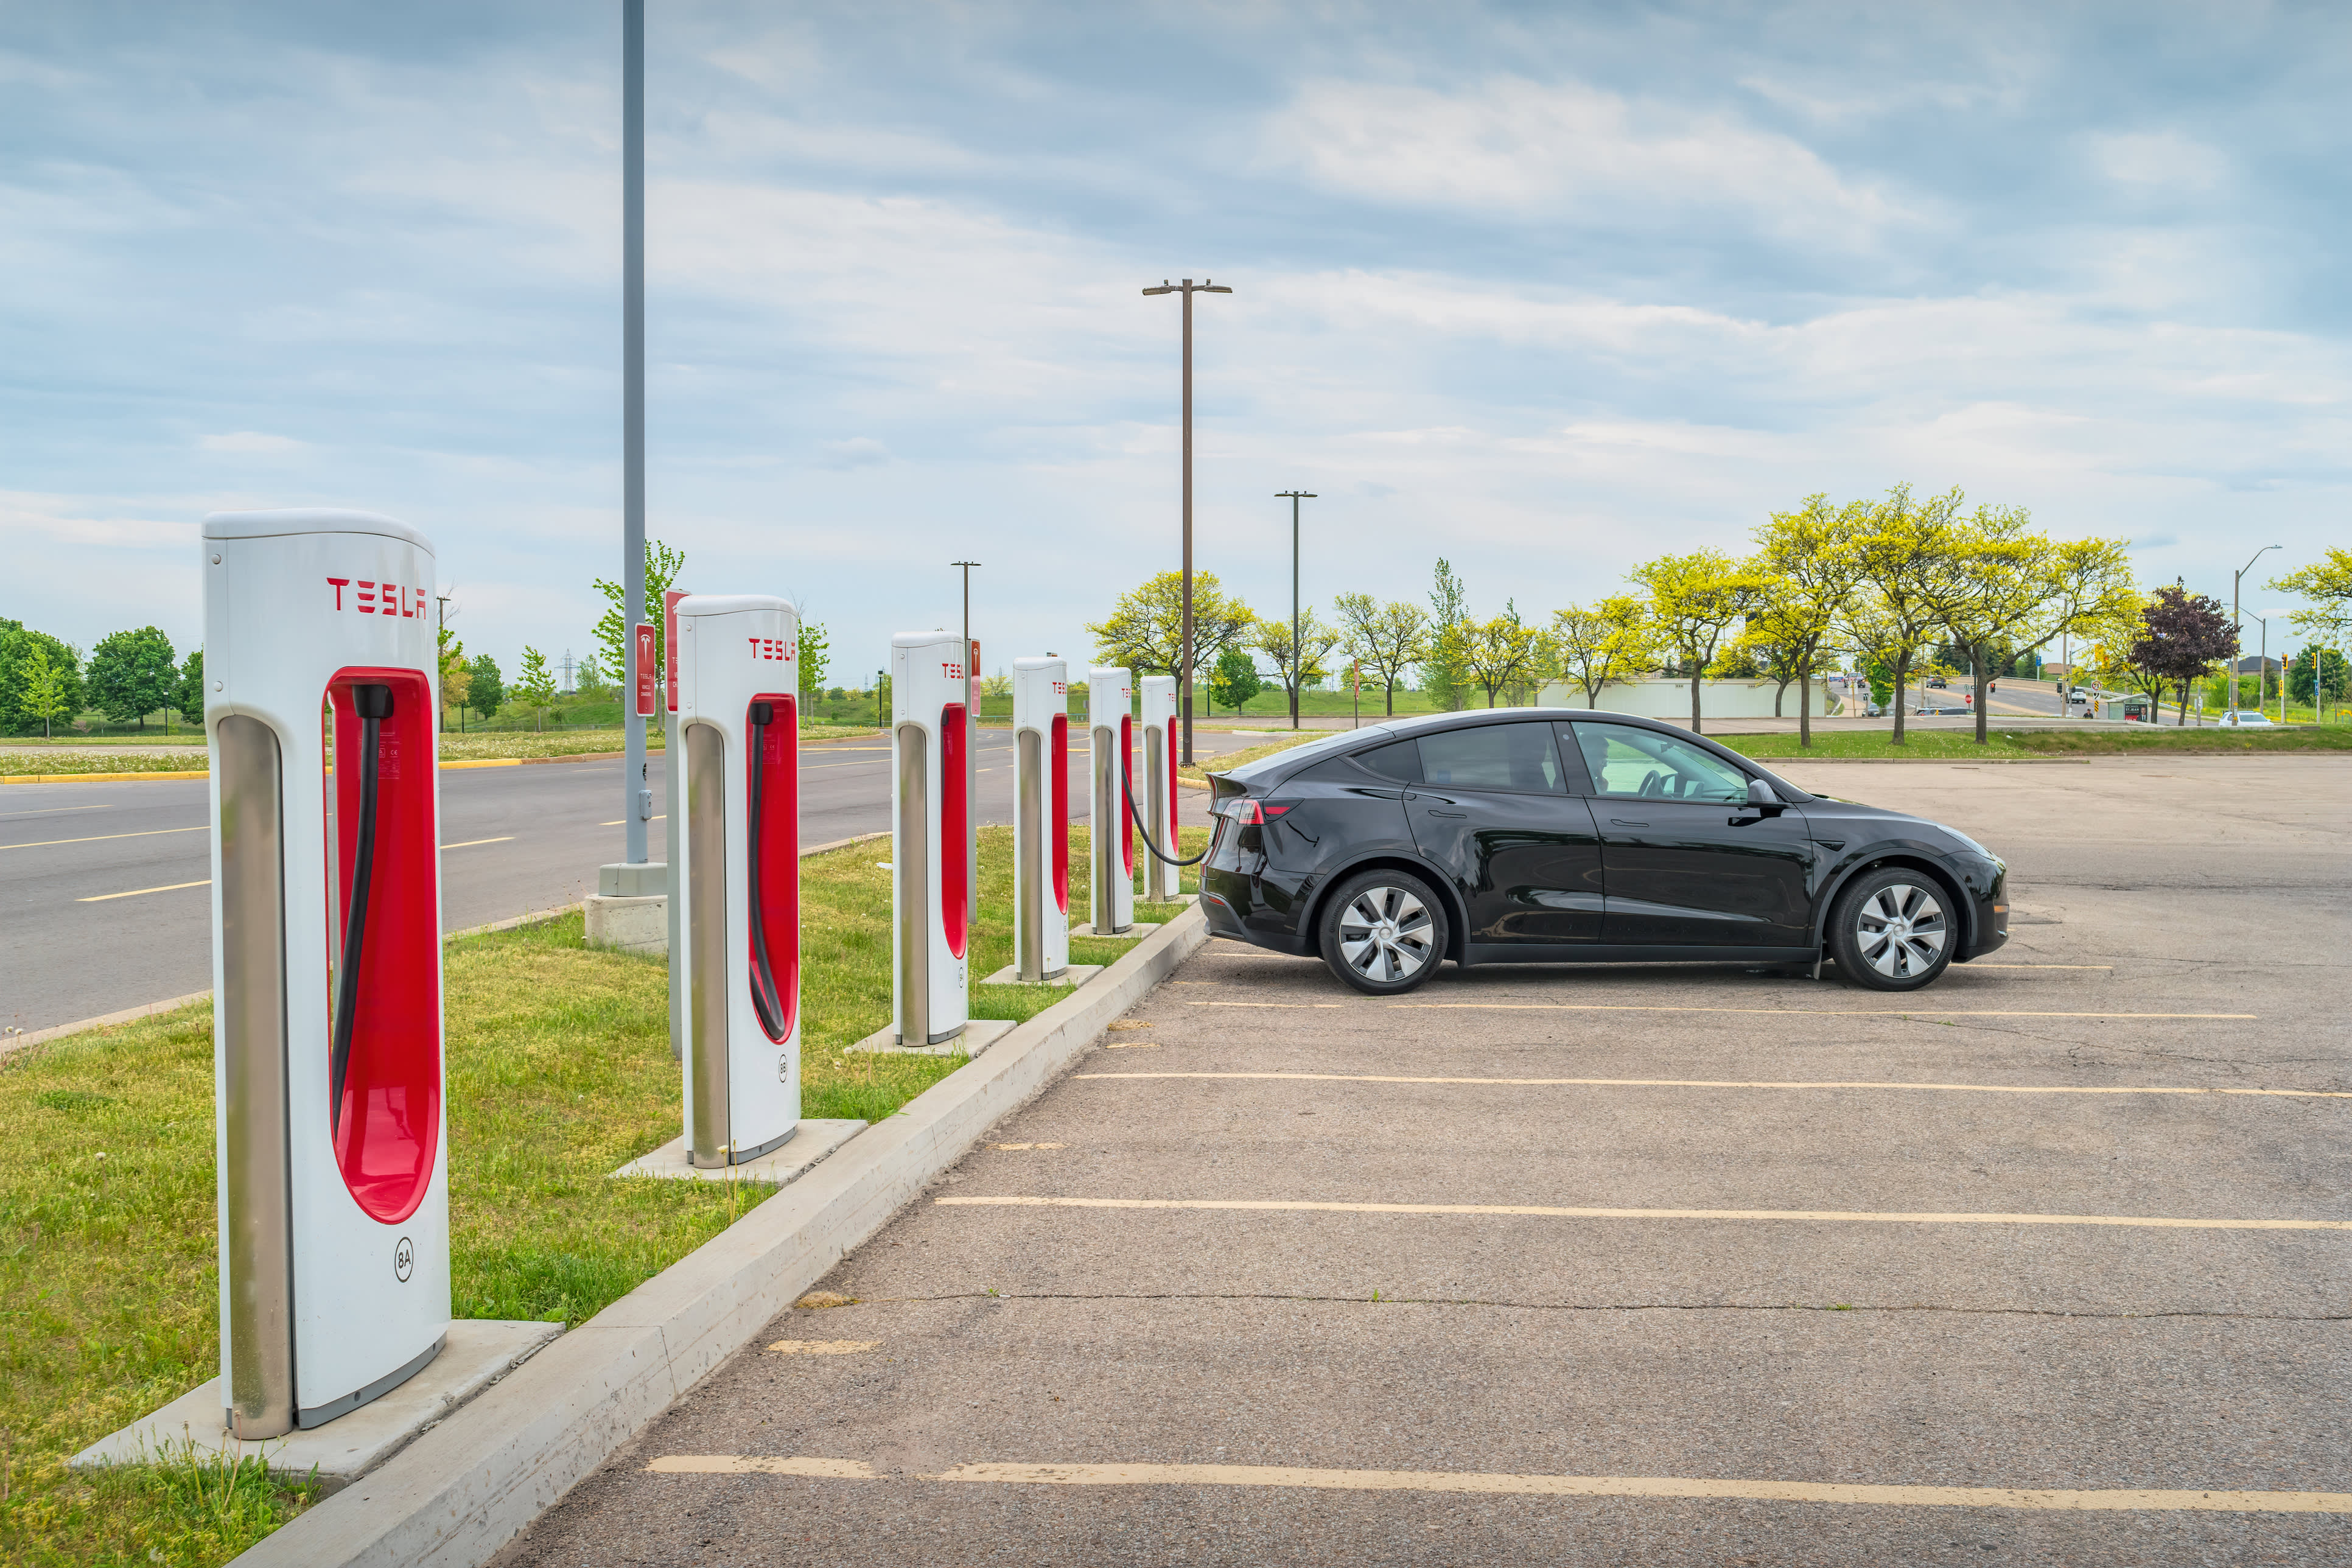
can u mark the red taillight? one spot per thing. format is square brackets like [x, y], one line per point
[1250, 812]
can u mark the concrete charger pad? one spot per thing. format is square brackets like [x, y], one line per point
[1037, 1363]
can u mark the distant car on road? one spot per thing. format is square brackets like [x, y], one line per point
[1558, 835]
[2242, 718]
[1936, 683]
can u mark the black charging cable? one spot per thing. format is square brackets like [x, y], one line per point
[373, 706]
[766, 1000]
[1128, 785]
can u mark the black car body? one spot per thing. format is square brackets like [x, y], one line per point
[1556, 836]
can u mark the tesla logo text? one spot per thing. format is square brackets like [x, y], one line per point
[770, 647]
[379, 598]
[953, 670]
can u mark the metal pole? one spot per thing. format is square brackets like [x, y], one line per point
[1184, 649]
[636, 805]
[970, 759]
[1297, 653]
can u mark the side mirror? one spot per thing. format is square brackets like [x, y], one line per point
[1760, 793]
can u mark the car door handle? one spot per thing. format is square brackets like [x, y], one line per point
[1434, 812]
[1623, 822]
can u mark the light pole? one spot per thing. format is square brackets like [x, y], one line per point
[2237, 639]
[1297, 654]
[971, 760]
[1184, 653]
[637, 803]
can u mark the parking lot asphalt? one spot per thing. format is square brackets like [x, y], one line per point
[1637, 1264]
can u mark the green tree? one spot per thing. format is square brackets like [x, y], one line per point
[1145, 629]
[190, 700]
[662, 567]
[1814, 565]
[1892, 614]
[131, 674]
[535, 684]
[1235, 680]
[1449, 611]
[815, 655]
[487, 687]
[17, 645]
[1610, 641]
[47, 696]
[2327, 584]
[1386, 639]
[1696, 600]
[456, 677]
[2324, 664]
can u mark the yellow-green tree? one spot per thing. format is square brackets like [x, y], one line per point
[1300, 666]
[48, 687]
[1596, 644]
[1498, 652]
[1894, 611]
[457, 679]
[2327, 584]
[1695, 601]
[1386, 639]
[1814, 562]
[1145, 629]
[2004, 587]
[535, 684]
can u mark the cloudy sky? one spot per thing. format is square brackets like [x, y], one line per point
[1544, 289]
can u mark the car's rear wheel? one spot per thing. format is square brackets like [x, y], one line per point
[1892, 929]
[1383, 931]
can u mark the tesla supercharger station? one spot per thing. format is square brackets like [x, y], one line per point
[1040, 817]
[930, 920]
[1156, 789]
[736, 987]
[1111, 734]
[332, 1160]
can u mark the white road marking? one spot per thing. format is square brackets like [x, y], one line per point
[1552, 1211]
[102, 838]
[1735, 1083]
[469, 844]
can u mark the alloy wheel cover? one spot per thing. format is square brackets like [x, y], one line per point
[1901, 930]
[1386, 934]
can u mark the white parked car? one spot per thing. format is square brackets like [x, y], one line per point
[2244, 717]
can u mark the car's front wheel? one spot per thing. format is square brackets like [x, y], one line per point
[1383, 931]
[1892, 929]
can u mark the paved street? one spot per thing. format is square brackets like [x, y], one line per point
[104, 900]
[1634, 1265]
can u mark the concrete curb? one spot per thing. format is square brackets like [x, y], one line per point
[459, 1493]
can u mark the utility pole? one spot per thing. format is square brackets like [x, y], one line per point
[1297, 653]
[1184, 653]
[440, 630]
[970, 759]
[2237, 638]
[637, 805]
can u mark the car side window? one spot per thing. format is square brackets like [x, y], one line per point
[1398, 760]
[1494, 757]
[1627, 763]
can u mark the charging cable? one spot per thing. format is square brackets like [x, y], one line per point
[1128, 785]
[766, 1000]
[373, 706]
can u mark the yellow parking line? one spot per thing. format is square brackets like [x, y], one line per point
[617, 821]
[170, 888]
[1293, 1005]
[1491, 1484]
[469, 844]
[1555, 1211]
[1982, 964]
[102, 838]
[1791, 1012]
[1735, 1083]
[52, 810]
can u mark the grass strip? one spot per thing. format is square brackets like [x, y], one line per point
[559, 1072]
[14, 763]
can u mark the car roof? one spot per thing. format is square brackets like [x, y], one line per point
[1270, 771]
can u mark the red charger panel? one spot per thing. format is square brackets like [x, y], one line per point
[1058, 764]
[780, 849]
[954, 864]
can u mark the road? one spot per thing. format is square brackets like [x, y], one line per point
[104, 887]
[1299, 1276]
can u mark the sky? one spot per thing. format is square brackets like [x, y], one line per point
[1547, 290]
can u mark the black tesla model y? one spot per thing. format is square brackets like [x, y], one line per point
[1554, 836]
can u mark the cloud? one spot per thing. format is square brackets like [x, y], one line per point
[251, 441]
[857, 452]
[2161, 157]
[1512, 146]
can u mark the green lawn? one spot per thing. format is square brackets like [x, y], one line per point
[559, 1071]
[1960, 745]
